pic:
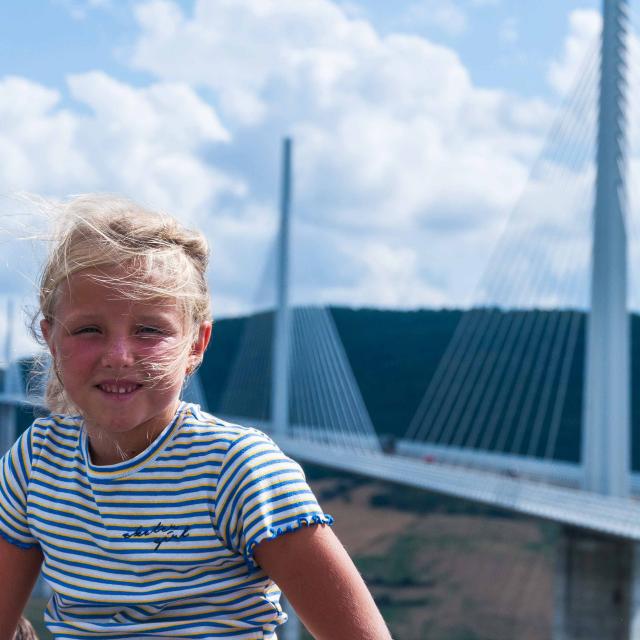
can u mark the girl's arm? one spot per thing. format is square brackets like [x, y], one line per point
[322, 584]
[19, 569]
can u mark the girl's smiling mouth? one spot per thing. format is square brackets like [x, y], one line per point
[120, 388]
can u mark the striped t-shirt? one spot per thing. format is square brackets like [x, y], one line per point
[159, 546]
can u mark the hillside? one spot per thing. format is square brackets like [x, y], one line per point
[393, 355]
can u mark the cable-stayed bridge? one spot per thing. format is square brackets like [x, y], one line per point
[497, 420]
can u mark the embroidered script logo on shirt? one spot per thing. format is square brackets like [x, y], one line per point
[161, 533]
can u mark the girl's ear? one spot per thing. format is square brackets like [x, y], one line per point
[200, 343]
[45, 327]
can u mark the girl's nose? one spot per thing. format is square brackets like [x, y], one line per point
[117, 353]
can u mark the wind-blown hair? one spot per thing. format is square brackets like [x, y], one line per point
[24, 631]
[158, 259]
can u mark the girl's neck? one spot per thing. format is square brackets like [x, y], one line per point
[109, 451]
[108, 448]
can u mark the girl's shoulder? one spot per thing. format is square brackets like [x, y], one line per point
[48, 437]
[199, 421]
[57, 422]
[57, 427]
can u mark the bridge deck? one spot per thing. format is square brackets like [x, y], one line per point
[571, 506]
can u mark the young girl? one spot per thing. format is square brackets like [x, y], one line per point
[148, 517]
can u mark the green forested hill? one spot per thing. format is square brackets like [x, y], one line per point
[394, 355]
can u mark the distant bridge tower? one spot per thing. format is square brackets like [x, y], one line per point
[282, 318]
[597, 594]
[281, 343]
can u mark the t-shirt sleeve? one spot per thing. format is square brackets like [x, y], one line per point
[261, 494]
[14, 479]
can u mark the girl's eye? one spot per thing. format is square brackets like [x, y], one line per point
[149, 330]
[82, 330]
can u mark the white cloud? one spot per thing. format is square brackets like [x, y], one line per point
[391, 275]
[244, 49]
[445, 15]
[145, 142]
[352, 9]
[585, 26]
[37, 139]
[171, 109]
[393, 141]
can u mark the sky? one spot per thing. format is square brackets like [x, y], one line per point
[415, 127]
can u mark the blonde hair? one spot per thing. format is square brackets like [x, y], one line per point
[24, 630]
[161, 260]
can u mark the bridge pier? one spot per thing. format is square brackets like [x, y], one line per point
[8, 425]
[597, 587]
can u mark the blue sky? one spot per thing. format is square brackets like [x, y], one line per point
[416, 124]
[45, 40]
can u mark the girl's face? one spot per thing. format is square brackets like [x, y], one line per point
[121, 362]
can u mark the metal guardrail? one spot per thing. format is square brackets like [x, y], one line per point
[566, 505]
[555, 471]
